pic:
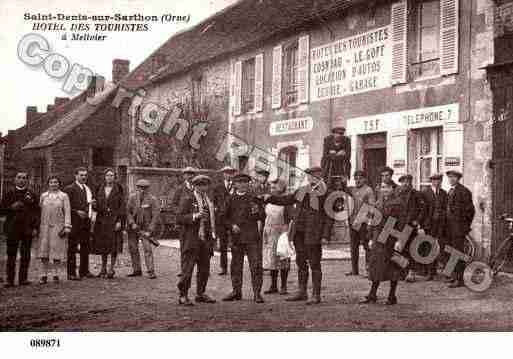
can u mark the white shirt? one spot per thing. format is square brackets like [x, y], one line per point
[89, 196]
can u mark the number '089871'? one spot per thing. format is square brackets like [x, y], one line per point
[45, 343]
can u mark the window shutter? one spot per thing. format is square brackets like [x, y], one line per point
[449, 23]
[238, 88]
[399, 42]
[259, 82]
[303, 68]
[276, 90]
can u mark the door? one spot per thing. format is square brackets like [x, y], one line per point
[373, 160]
[502, 153]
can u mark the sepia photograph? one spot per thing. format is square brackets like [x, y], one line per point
[322, 166]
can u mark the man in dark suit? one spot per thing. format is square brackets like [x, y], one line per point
[312, 227]
[221, 196]
[336, 155]
[185, 188]
[243, 212]
[412, 207]
[21, 207]
[81, 201]
[196, 215]
[460, 214]
[434, 220]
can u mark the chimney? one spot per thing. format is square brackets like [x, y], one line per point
[96, 85]
[32, 115]
[60, 101]
[120, 68]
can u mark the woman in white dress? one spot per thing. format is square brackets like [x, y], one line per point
[54, 230]
[276, 223]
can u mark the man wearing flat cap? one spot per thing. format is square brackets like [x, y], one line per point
[143, 212]
[312, 226]
[412, 206]
[221, 196]
[336, 155]
[184, 189]
[243, 212]
[196, 213]
[434, 219]
[460, 214]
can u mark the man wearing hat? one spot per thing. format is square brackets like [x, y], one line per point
[460, 214]
[196, 214]
[434, 221]
[143, 211]
[185, 188]
[312, 227]
[243, 212]
[412, 205]
[260, 184]
[221, 196]
[336, 157]
[362, 194]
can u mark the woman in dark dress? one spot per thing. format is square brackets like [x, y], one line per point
[110, 208]
[381, 267]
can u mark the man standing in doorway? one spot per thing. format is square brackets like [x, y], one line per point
[81, 201]
[336, 156]
[460, 214]
[21, 206]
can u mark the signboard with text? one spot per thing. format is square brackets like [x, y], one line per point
[351, 65]
[287, 127]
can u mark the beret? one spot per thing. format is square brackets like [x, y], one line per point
[201, 179]
[263, 172]
[142, 183]
[340, 130]
[227, 169]
[454, 173]
[406, 177]
[241, 177]
[386, 169]
[360, 173]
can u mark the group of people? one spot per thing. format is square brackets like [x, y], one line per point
[248, 215]
[64, 222]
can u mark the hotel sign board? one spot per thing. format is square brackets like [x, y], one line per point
[351, 65]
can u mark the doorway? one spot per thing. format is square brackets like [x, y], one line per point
[374, 156]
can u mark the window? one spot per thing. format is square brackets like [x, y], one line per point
[430, 154]
[197, 92]
[248, 85]
[103, 156]
[290, 67]
[243, 163]
[286, 170]
[426, 61]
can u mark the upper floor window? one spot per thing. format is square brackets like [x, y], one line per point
[290, 75]
[426, 61]
[248, 85]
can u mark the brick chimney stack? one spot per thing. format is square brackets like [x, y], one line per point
[96, 85]
[120, 68]
[32, 115]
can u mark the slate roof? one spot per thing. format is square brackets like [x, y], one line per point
[239, 26]
[70, 120]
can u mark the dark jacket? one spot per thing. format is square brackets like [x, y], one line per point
[22, 221]
[78, 202]
[460, 209]
[221, 198]
[189, 236]
[111, 210]
[434, 219]
[333, 164]
[313, 222]
[412, 205]
[245, 211]
[181, 190]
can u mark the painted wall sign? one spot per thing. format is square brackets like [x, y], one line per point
[287, 127]
[351, 65]
[422, 117]
[452, 161]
